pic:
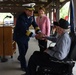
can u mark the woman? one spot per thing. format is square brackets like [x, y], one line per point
[44, 23]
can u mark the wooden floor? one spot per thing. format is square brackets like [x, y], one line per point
[11, 67]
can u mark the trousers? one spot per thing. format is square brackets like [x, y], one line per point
[22, 47]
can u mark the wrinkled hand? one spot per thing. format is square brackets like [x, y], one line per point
[39, 36]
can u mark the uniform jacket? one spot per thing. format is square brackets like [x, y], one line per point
[44, 24]
[22, 28]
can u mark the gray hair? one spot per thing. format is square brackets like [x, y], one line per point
[67, 30]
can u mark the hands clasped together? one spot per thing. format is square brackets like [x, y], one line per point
[40, 36]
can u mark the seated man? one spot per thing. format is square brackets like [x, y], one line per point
[58, 52]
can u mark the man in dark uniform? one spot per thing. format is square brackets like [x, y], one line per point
[22, 33]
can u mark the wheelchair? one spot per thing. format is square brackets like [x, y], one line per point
[57, 67]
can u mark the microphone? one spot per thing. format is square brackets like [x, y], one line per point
[8, 16]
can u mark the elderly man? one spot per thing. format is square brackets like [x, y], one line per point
[58, 52]
[22, 33]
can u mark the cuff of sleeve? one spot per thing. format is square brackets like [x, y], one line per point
[28, 33]
[38, 31]
[33, 35]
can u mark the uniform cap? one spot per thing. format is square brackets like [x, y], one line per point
[29, 6]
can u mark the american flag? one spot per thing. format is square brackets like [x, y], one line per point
[72, 16]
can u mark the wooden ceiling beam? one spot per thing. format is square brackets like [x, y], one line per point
[15, 6]
[62, 4]
[11, 10]
[20, 2]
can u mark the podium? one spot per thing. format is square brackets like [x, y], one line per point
[7, 45]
